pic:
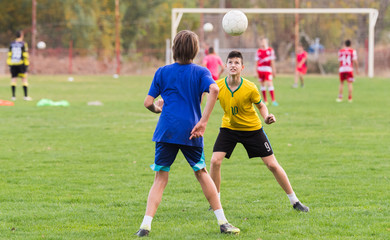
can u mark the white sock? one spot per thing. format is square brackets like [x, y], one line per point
[293, 198]
[147, 223]
[220, 216]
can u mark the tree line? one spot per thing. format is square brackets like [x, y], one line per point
[145, 24]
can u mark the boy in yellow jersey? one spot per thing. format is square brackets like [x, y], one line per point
[18, 63]
[241, 124]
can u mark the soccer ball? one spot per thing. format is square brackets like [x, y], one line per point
[234, 22]
[41, 45]
[208, 27]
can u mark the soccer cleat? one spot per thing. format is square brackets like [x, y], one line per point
[13, 98]
[229, 229]
[350, 100]
[27, 99]
[274, 103]
[142, 233]
[295, 85]
[300, 207]
[339, 100]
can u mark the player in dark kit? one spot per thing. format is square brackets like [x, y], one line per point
[18, 62]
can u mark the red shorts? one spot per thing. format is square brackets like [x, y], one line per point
[346, 76]
[302, 70]
[264, 76]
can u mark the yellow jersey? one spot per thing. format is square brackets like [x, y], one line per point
[240, 114]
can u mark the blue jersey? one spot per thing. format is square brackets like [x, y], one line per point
[181, 86]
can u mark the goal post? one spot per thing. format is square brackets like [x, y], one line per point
[177, 14]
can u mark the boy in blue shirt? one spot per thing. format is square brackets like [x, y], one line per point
[181, 125]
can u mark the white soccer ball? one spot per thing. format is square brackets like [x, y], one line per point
[41, 45]
[234, 22]
[208, 27]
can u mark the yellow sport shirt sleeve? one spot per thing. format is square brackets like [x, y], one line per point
[9, 58]
[256, 97]
[26, 62]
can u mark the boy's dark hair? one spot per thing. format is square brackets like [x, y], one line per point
[185, 46]
[235, 54]
[18, 33]
[211, 50]
[348, 43]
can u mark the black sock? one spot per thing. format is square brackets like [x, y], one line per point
[25, 91]
[13, 88]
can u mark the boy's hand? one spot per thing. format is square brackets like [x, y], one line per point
[198, 130]
[159, 105]
[270, 119]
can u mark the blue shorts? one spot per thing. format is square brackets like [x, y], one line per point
[166, 153]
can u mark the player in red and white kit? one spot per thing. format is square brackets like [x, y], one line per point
[347, 58]
[265, 68]
[301, 67]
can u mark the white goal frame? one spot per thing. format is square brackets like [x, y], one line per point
[177, 14]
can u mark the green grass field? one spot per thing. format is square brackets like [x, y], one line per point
[82, 172]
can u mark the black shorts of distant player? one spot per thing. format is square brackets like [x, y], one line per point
[18, 70]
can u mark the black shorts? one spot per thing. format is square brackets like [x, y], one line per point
[18, 70]
[255, 142]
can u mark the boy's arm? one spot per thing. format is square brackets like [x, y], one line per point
[200, 127]
[303, 60]
[204, 62]
[26, 61]
[273, 68]
[256, 75]
[268, 118]
[155, 107]
[355, 62]
[9, 59]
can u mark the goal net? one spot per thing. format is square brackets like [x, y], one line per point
[322, 33]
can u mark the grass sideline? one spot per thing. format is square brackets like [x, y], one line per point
[82, 172]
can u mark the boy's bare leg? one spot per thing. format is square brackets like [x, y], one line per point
[278, 172]
[209, 189]
[156, 192]
[281, 177]
[215, 168]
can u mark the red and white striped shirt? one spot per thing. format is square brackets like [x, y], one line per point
[346, 57]
[264, 58]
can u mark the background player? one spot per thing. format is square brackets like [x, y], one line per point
[241, 124]
[301, 68]
[347, 58]
[18, 62]
[181, 125]
[213, 62]
[265, 68]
